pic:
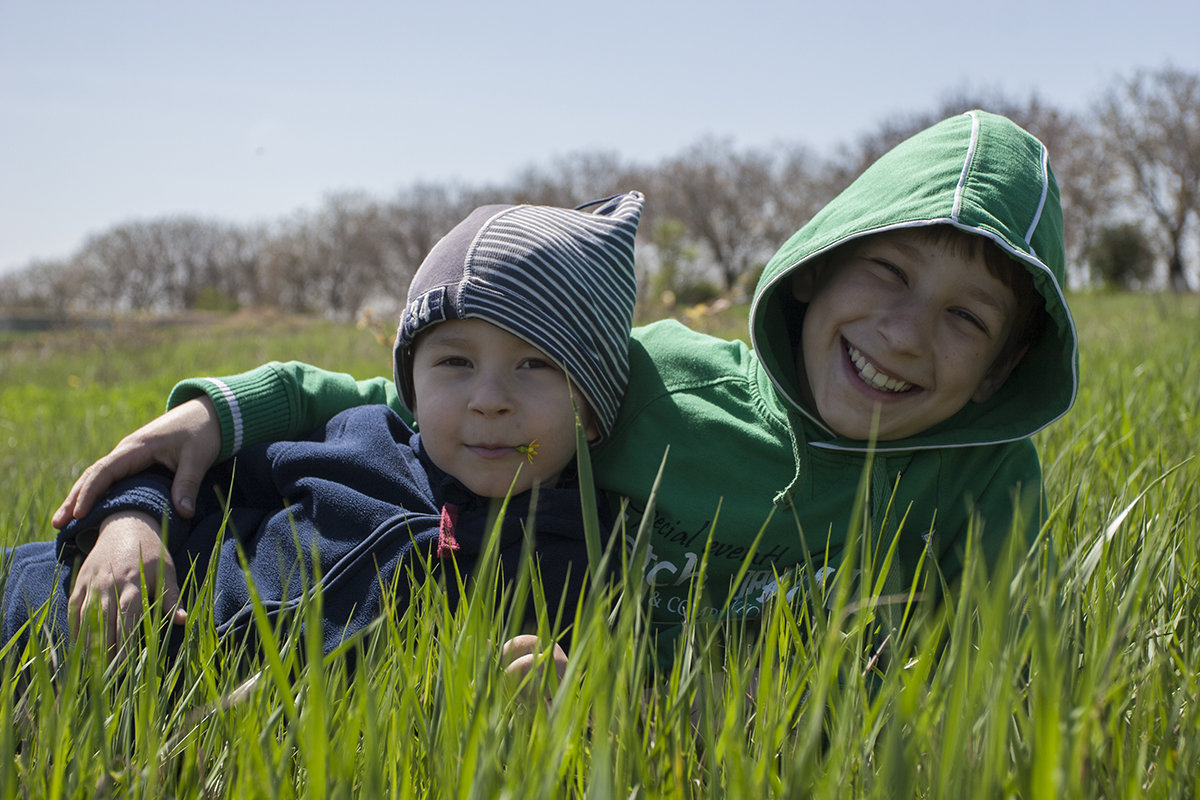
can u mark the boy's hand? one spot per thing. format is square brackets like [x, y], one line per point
[110, 578]
[186, 439]
[524, 654]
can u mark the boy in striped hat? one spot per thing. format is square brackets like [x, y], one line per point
[517, 323]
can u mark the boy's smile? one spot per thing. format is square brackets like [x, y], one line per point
[483, 396]
[901, 325]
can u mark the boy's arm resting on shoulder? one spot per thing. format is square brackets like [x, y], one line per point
[281, 401]
[185, 440]
[210, 419]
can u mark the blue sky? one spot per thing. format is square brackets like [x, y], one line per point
[248, 111]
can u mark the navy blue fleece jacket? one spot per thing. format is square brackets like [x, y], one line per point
[357, 503]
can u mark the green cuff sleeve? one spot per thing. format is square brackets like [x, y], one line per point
[252, 407]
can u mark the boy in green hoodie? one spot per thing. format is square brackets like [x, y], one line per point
[910, 339]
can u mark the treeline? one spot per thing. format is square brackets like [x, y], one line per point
[1128, 168]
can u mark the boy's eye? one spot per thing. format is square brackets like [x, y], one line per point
[453, 361]
[971, 319]
[892, 268]
[536, 363]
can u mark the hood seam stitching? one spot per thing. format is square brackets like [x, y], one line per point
[1037, 215]
[956, 209]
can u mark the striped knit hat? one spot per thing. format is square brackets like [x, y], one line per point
[561, 279]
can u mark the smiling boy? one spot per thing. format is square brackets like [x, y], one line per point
[517, 317]
[904, 328]
[910, 338]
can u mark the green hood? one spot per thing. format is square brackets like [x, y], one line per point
[985, 175]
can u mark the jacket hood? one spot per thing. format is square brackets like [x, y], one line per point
[983, 174]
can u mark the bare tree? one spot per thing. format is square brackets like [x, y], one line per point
[574, 179]
[44, 286]
[205, 262]
[348, 247]
[236, 254]
[1152, 126]
[284, 269]
[167, 264]
[801, 185]
[725, 198]
[120, 269]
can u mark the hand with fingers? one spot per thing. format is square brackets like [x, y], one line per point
[524, 655]
[109, 583]
[186, 440]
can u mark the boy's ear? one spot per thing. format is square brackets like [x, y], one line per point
[997, 375]
[590, 429]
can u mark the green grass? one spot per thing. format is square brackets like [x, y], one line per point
[1073, 679]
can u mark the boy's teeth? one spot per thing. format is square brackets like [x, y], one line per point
[872, 376]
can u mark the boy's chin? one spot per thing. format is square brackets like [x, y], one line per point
[890, 422]
[877, 429]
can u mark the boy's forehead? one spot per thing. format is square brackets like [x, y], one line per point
[919, 242]
[471, 331]
[921, 245]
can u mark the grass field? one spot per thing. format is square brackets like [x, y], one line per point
[1078, 680]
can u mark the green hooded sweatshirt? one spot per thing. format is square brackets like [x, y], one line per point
[754, 485]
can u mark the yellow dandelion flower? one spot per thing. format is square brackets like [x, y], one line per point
[530, 450]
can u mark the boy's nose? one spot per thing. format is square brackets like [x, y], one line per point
[906, 327]
[490, 397]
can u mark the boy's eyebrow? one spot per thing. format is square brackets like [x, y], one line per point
[448, 336]
[458, 341]
[447, 339]
[982, 294]
[907, 248]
